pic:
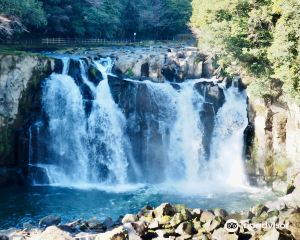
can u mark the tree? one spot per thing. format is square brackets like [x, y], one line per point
[26, 12]
[284, 51]
[9, 25]
[99, 18]
[241, 32]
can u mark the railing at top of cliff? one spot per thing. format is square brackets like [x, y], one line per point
[82, 41]
[74, 41]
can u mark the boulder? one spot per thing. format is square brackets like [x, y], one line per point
[94, 75]
[258, 209]
[136, 230]
[140, 228]
[220, 213]
[272, 234]
[108, 222]
[154, 225]
[27, 226]
[49, 221]
[54, 232]
[164, 220]
[185, 228]
[94, 225]
[116, 234]
[207, 217]
[261, 218]
[74, 224]
[296, 197]
[295, 231]
[145, 211]
[196, 213]
[212, 225]
[177, 219]
[165, 209]
[165, 233]
[222, 234]
[129, 218]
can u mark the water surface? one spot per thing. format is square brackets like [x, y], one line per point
[19, 205]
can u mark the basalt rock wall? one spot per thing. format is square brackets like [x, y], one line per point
[20, 85]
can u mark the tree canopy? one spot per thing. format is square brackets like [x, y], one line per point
[100, 18]
[255, 38]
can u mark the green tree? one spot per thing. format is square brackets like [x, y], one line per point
[258, 39]
[27, 12]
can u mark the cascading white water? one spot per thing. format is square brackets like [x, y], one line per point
[106, 124]
[65, 61]
[83, 150]
[97, 147]
[63, 104]
[85, 78]
[186, 148]
[226, 161]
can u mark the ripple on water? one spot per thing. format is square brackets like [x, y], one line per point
[19, 205]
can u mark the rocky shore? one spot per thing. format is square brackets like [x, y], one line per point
[273, 220]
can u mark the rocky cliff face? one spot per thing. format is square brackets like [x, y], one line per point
[156, 63]
[172, 65]
[272, 139]
[275, 148]
[20, 82]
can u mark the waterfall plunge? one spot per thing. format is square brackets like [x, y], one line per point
[82, 150]
[98, 148]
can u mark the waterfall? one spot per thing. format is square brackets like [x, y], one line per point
[82, 150]
[186, 148]
[65, 61]
[226, 161]
[139, 131]
[63, 104]
[105, 129]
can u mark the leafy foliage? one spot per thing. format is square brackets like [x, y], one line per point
[101, 18]
[29, 11]
[258, 39]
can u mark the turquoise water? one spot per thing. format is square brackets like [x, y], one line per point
[19, 205]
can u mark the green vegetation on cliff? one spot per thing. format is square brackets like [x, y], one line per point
[258, 39]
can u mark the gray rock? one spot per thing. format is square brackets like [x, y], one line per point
[108, 223]
[206, 217]
[54, 232]
[165, 209]
[258, 209]
[116, 234]
[196, 213]
[140, 228]
[27, 226]
[93, 224]
[153, 225]
[129, 218]
[272, 234]
[222, 234]
[212, 225]
[145, 211]
[50, 220]
[177, 219]
[220, 212]
[185, 228]
[74, 224]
